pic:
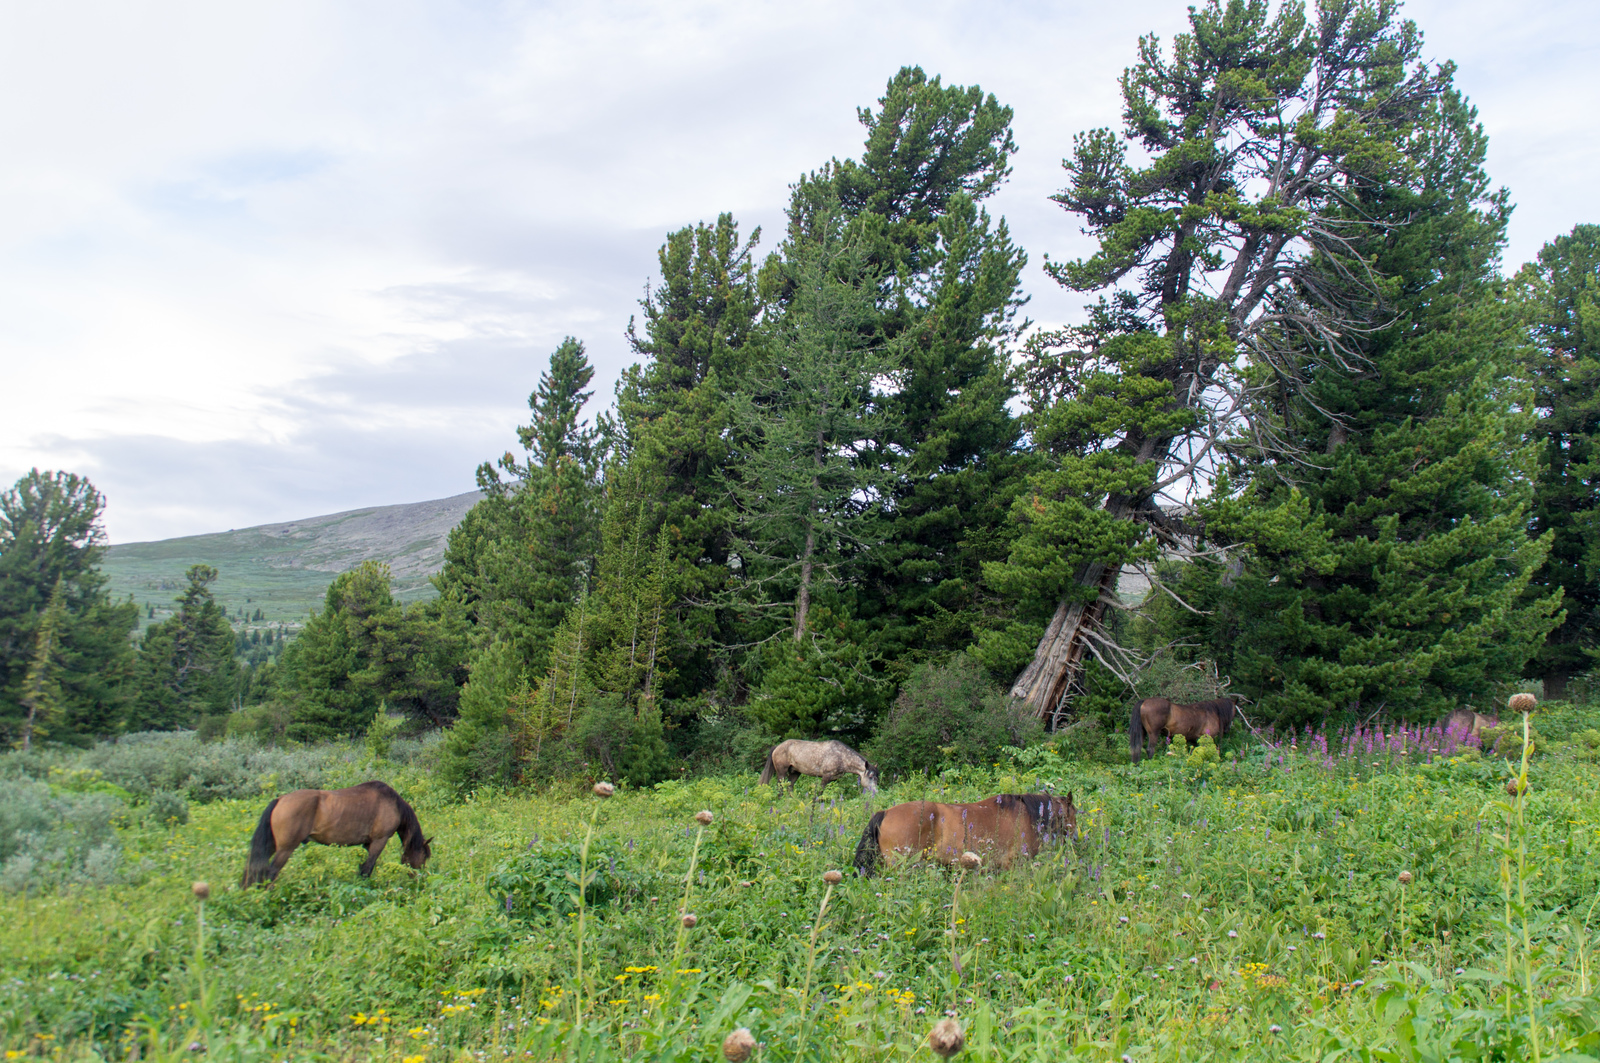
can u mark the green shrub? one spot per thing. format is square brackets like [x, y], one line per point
[167, 808]
[267, 723]
[211, 727]
[50, 838]
[380, 734]
[540, 882]
[947, 714]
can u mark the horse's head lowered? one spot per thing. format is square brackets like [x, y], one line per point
[868, 776]
[415, 855]
[1055, 815]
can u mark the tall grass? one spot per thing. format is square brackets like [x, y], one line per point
[1244, 909]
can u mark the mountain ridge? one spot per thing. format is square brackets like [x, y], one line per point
[283, 569]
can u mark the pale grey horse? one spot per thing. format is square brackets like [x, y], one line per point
[823, 760]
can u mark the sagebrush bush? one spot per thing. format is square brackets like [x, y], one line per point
[947, 714]
[53, 838]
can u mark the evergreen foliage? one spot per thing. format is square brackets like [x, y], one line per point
[947, 281]
[1561, 296]
[364, 650]
[186, 664]
[1387, 550]
[1231, 216]
[51, 542]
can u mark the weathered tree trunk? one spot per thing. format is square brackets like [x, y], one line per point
[1555, 686]
[1057, 663]
[802, 603]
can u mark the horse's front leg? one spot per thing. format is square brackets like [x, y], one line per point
[374, 850]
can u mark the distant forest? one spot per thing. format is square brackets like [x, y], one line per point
[848, 489]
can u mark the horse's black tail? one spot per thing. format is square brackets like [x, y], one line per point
[767, 772]
[867, 851]
[1136, 732]
[262, 848]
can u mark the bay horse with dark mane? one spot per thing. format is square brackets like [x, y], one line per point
[1157, 716]
[363, 815]
[1001, 829]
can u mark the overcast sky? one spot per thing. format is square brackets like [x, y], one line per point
[267, 261]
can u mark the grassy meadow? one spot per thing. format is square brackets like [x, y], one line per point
[1249, 906]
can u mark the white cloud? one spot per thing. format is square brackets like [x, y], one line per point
[260, 262]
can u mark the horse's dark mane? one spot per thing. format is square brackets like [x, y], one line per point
[410, 828]
[1036, 805]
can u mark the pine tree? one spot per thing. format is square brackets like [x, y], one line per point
[947, 284]
[1561, 296]
[674, 423]
[364, 649]
[41, 687]
[50, 537]
[1225, 255]
[186, 663]
[1380, 553]
[524, 553]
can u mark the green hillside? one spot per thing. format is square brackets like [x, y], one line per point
[284, 569]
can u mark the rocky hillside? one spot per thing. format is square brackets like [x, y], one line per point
[284, 569]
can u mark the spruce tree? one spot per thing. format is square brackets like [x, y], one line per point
[50, 536]
[1380, 558]
[1560, 293]
[186, 663]
[1226, 251]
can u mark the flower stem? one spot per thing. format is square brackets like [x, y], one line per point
[811, 963]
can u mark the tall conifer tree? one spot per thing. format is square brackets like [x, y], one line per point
[1226, 252]
[1561, 295]
[1382, 559]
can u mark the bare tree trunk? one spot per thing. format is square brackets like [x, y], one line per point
[802, 602]
[1057, 663]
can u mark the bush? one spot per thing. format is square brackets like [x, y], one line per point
[167, 808]
[541, 881]
[267, 723]
[950, 713]
[51, 837]
[380, 734]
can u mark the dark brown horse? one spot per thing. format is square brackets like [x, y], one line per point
[363, 815]
[1000, 829]
[1157, 716]
[825, 760]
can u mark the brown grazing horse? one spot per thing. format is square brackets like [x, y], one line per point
[824, 760]
[363, 815]
[1156, 716]
[1466, 722]
[1000, 829]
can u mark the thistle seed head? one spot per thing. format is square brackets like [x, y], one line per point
[1405, 878]
[604, 789]
[703, 817]
[832, 878]
[689, 920]
[738, 1045]
[202, 890]
[970, 860]
[946, 1038]
[1522, 702]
